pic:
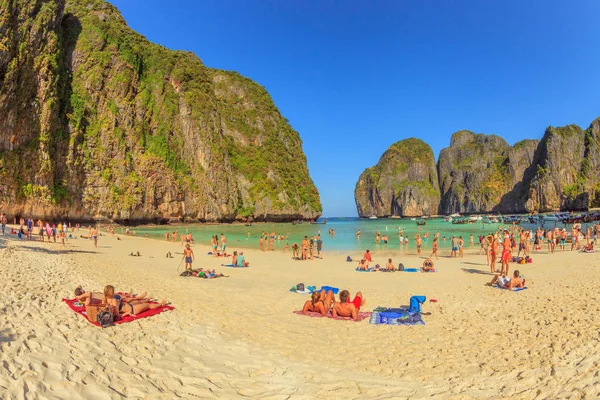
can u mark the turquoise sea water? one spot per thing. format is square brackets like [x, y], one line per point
[344, 239]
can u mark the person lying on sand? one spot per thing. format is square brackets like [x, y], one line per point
[504, 281]
[320, 302]
[362, 265]
[88, 298]
[132, 307]
[588, 248]
[207, 274]
[347, 308]
[428, 265]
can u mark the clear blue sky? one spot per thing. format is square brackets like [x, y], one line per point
[353, 77]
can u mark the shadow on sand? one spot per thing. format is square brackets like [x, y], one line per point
[476, 271]
[6, 336]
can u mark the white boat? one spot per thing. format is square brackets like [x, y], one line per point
[551, 218]
[372, 217]
[474, 218]
[448, 219]
[413, 219]
[455, 215]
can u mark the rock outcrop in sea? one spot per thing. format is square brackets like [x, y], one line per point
[482, 173]
[404, 182]
[97, 122]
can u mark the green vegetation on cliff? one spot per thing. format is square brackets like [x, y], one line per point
[128, 129]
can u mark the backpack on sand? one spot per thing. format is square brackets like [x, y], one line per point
[106, 318]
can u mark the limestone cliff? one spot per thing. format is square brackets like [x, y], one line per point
[95, 121]
[404, 182]
[473, 173]
[565, 173]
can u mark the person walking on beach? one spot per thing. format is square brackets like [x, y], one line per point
[461, 244]
[94, 236]
[305, 248]
[223, 243]
[454, 247]
[419, 243]
[435, 248]
[188, 256]
[319, 247]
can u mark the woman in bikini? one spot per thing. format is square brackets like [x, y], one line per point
[320, 302]
[126, 305]
[493, 247]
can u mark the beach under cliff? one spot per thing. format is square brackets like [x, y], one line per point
[237, 337]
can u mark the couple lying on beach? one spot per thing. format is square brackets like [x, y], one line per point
[126, 303]
[203, 273]
[324, 302]
[364, 266]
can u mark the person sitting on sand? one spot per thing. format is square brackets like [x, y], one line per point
[362, 265]
[347, 308]
[588, 248]
[238, 261]
[505, 282]
[320, 302]
[390, 266]
[428, 265]
[132, 307]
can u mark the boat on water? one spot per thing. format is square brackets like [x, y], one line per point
[395, 217]
[448, 218]
[372, 217]
[475, 218]
[460, 221]
[421, 221]
[455, 215]
[413, 219]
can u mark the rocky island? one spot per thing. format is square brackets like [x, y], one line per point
[97, 122]
[481, 173]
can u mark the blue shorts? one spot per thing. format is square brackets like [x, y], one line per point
[188, 260]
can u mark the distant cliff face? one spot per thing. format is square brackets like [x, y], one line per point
[473, 172]
[566, 174]
[481, 173]
[404, 182]
[95, 121]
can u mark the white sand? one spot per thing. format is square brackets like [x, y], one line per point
[237, 337]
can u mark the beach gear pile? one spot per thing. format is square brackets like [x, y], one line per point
[400, 316]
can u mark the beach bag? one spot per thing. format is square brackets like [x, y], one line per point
[105, 318]
[186, 273]
[522, 261]
[400, 267]
[348, 259]
[300, 287]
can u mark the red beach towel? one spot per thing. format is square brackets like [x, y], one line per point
[361, 315]
[80, 309]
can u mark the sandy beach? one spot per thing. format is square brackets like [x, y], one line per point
[237, 337]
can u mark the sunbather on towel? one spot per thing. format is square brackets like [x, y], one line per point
[347, 308]
[362, 265]
[390, 266]
[504, 281]
[133, 307]
[88, 298]
[428, 265]
[320, 302]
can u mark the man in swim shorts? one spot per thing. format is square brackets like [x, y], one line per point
[347, 308]
[188, 256]
[505, 282]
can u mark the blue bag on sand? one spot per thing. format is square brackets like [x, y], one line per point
[415, 303]
[348, 259]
